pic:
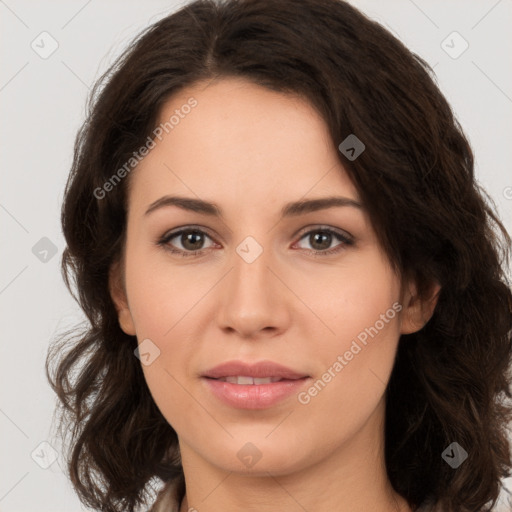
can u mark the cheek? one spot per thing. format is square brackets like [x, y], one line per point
[362, 312]
[162, 304]
[351, 299]
[161, 294]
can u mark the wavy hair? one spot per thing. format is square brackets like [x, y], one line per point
[451, 379]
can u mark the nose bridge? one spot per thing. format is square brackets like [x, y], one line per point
[250, 299]
[251, 275]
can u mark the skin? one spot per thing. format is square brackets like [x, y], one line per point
[251, 150]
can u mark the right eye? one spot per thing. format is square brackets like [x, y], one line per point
[190, 239]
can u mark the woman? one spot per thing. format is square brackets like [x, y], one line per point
[295, 287]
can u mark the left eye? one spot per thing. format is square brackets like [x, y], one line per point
[192, 240]
[324, 237]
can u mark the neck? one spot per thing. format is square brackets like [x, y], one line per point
[351, 478]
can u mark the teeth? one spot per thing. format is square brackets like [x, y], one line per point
[240, 379]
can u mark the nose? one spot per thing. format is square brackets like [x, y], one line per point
[253, 299]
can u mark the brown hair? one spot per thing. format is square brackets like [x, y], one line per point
[416, 179]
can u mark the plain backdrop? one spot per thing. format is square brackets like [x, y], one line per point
[42, 104]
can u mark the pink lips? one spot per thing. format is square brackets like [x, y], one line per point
[259, 370]
[253, 396]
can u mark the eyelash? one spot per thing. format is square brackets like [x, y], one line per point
[164, 241]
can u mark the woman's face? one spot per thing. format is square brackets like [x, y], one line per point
[264, 287]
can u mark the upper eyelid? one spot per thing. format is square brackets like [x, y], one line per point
[192, 227]
[320, 227]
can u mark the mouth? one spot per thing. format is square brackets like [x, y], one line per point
[247, 392]
[248, 385]
[248, 381]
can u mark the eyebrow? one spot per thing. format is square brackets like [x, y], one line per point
[292, 209]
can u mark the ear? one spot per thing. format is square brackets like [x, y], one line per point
[417, 311]
[118, 294]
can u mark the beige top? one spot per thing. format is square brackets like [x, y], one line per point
[170, 497]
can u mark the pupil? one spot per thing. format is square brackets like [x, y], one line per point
[323, 234]
[190, 237]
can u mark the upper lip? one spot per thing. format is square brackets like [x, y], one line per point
[259, 370]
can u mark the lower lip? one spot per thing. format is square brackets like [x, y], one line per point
[254, 396]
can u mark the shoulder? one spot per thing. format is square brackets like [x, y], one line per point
[169, 497]
[429, 505]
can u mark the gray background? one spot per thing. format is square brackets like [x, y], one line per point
[42, 106]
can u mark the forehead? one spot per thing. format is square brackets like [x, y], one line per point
[240, 142]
